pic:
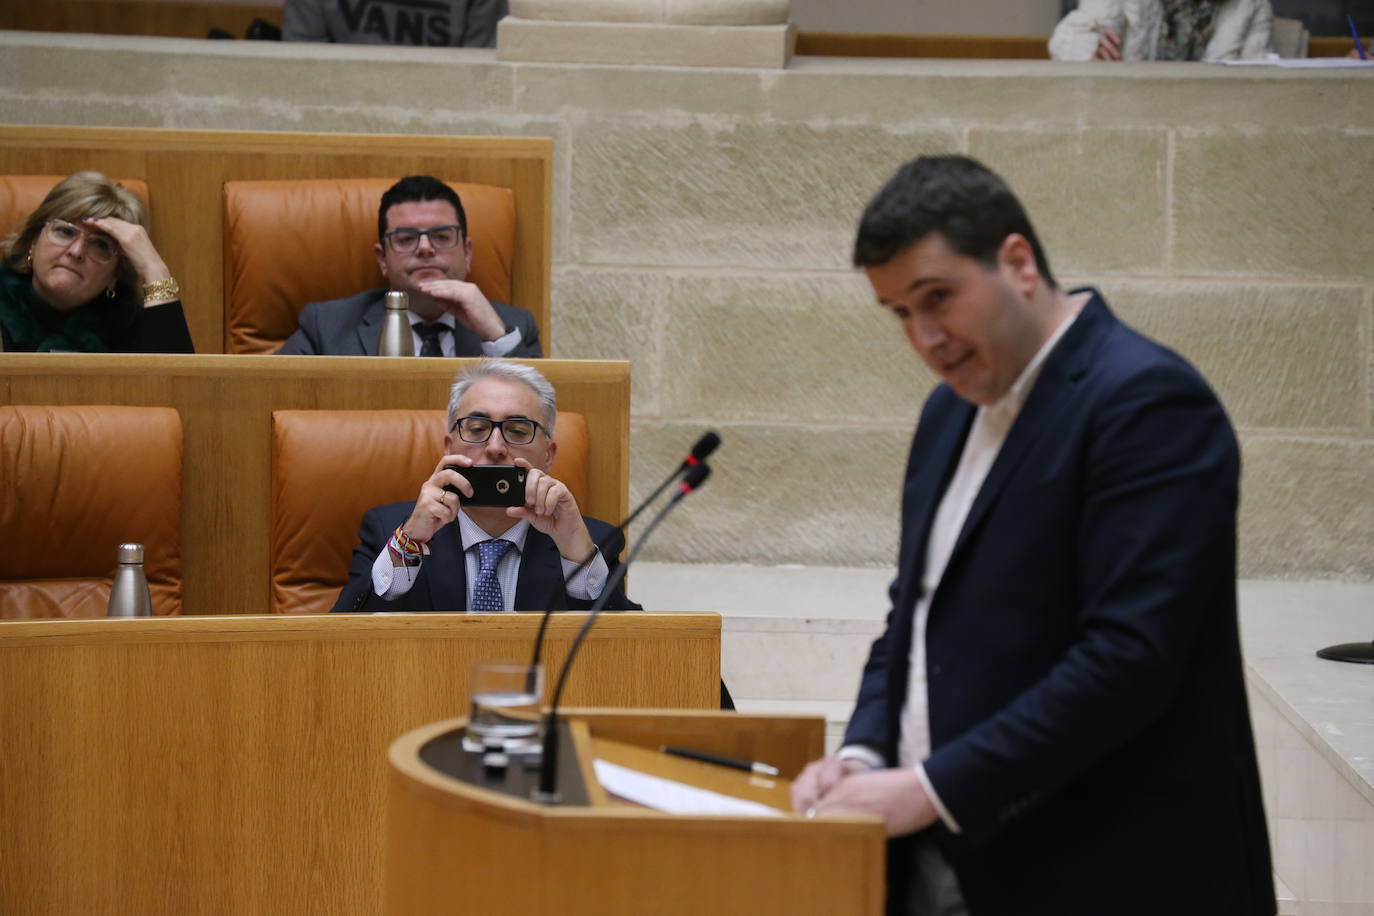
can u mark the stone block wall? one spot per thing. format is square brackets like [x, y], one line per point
[704, 219]
[931, 17]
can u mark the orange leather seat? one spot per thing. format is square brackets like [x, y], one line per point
[330, 466]
[20, 195]
[77, 482]
[289, 243]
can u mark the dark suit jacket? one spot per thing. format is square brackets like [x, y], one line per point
[442, 584]
[351, 326]
[1088, 717]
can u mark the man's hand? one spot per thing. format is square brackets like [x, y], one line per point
[820, 776]
[551, 509]
[435, 507]
[896, 795]
[1108, 45]
[467, 305]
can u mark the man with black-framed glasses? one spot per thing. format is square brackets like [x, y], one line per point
[440, 554]
[423, 249]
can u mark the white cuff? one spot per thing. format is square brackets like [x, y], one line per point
[589, 581]
[391, 582]
[863, 753]
[940, 808]
[502, 345]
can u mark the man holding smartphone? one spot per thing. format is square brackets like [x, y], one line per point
[473, 544]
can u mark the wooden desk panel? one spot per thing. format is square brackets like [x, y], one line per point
[237, 765]
[169, 18]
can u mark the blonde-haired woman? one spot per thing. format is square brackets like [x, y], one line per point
[82, 275]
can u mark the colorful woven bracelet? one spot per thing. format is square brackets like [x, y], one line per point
[398, 558]
[406, 549]
[408, 545]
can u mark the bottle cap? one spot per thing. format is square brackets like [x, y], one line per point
[395, 299]
[130, 553]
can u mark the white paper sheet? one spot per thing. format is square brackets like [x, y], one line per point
[672, 796]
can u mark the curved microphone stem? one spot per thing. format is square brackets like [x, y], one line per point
[596, 549]
[548, 768]
[704, 446]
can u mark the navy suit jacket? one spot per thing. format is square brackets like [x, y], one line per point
[442, 584]
[1089, 727]
[352, 326]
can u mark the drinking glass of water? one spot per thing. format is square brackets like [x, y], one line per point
[506, 701]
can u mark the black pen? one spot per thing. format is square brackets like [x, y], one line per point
[748, 766]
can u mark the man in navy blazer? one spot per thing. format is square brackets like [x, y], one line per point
[424, 250]
[443, 586]
[441, 554]
[1054, 719]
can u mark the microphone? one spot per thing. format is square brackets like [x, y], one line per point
[705, 445]
[708, 443]
[701, 450]
[548, 764]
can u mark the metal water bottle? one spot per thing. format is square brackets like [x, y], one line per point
[396, 339]
[129, 595]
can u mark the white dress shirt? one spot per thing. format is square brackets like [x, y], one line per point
[985, 437]
[498, 347]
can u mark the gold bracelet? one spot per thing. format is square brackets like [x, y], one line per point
[162, 289]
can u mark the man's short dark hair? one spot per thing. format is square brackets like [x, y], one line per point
[418, 188]
[960, 198]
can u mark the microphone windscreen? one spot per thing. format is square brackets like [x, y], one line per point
[695, 477]
[707, 444]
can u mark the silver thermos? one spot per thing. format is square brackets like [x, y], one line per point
[396, 339]
[129, 595]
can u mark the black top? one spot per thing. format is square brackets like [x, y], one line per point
[121, 325]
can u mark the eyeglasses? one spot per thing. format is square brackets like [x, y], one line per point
[406, 239]
[515, 430]
[64, 234]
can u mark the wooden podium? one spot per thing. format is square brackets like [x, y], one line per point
[456, 846]
[227, 765]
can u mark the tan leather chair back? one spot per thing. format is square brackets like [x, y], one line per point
[20, 195]
[288, 243]
[77, 482]
[330, 466]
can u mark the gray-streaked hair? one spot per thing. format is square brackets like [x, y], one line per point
[74, 198]
[505, 369]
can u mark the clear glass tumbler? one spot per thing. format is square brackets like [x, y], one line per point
[506, 703]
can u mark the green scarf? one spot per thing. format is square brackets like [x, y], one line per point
[1188, 26]
[34, 326]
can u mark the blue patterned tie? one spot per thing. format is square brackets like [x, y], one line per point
[486, 591]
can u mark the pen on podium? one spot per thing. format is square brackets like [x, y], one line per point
[1359, 45]
[748, 766]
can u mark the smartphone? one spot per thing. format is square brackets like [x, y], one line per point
[492, 484]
